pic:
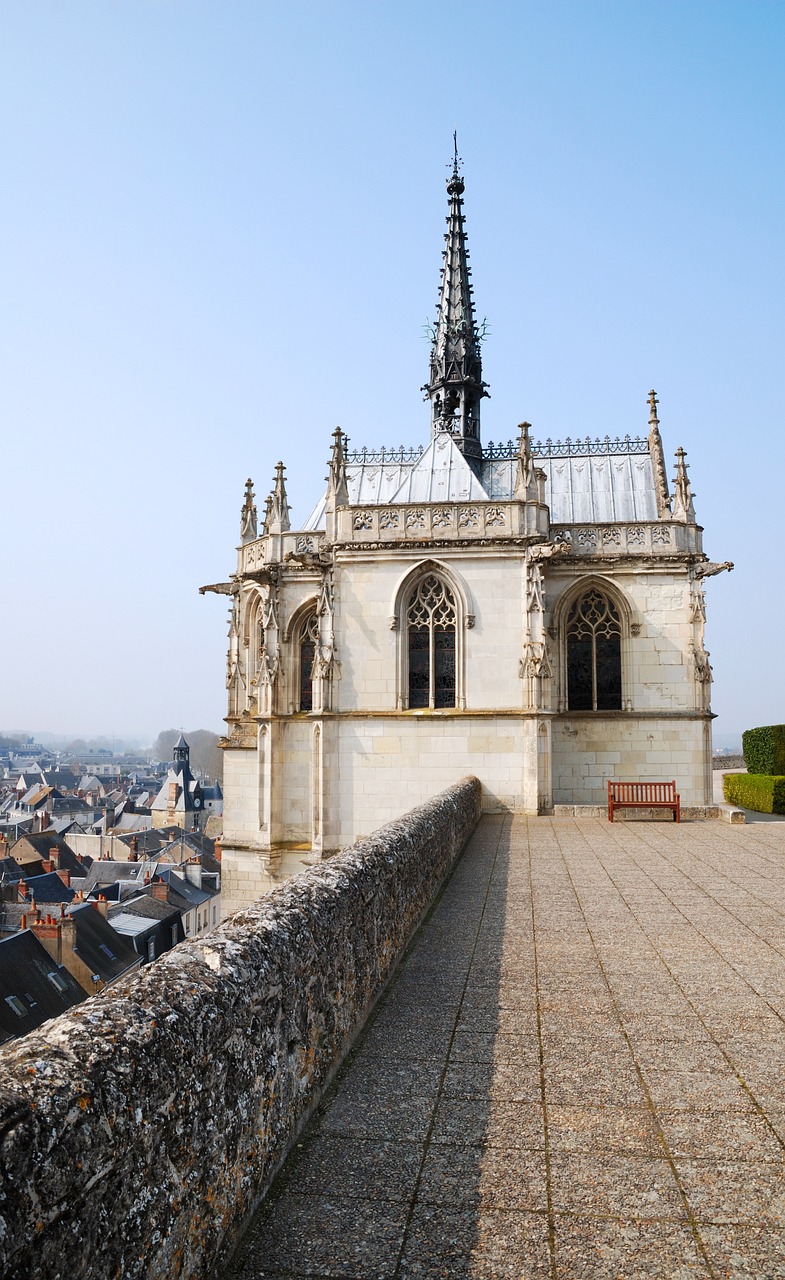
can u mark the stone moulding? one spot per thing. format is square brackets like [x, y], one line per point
[139, 1131]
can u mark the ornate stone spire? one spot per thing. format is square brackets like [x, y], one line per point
[337, 488]
[278, 519]
[455, 386]
[683, 506]
[248, 515]
[658, 458]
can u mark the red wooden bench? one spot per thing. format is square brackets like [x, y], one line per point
[643, 795]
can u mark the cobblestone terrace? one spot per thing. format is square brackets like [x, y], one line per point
[579, 1072]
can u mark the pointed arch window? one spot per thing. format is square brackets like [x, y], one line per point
[594, 654]
[308, 639]
[431, 624]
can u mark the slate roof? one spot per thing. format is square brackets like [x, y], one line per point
[105, 872]
[147, 906]
[181, 888]
[104, 950]
[44, 841]
[587, 482]
[197, 841]
[49, 888]
[25, 984]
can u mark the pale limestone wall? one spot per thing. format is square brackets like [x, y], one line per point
[387, 765]
[241, 796]
[368, 647]
[588, 751]
[656, 662]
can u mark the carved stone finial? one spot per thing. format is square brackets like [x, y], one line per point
[683, 506]
[524, 474]
[268, 502]
[248, 515]
[657, 456]
[278, 518]
[337, 485]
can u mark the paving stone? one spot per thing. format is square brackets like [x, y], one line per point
[603, 1130]
[491, 1245]
[626, 1250]
[484, 1176]
[615, 1186]
[612, 964]
[745, 1253]
[734, 1191]
[321, 1235]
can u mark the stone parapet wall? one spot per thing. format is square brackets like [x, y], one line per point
[140, 1130]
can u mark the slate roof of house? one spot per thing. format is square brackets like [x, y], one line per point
[25, 984]
[147, 906]
[181, 888]
[104, 950]
[49, 888]
[42, 842]
[105, 872]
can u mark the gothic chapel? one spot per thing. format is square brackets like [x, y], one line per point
[532, 613]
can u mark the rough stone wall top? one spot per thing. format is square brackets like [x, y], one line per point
[139, 1131]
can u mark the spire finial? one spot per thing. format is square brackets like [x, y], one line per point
[657, 456]
[248, 515]
[525, 468]
[278, 521]
[455, 183]
[683, 506]
[337, 487]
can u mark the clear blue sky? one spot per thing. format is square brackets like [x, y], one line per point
[221, 236]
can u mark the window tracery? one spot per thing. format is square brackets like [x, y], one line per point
[307, 644]
[431, 621]
[593, 635]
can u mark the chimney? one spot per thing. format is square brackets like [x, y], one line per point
[24, 892]
[160, 890]
[217, 852]
[65, 876]
[46, 865]
[58, 936]
[54, 857]
[101, 905]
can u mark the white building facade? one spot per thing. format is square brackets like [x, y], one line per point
[532, 614]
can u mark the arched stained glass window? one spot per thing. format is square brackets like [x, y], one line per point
[593, 654]
[431, 623]
[309, 638]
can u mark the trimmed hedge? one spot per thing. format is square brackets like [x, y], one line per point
[761, 792]
[764, 749]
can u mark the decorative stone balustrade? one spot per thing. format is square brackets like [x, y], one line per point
[655, 538]
[448, 522]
